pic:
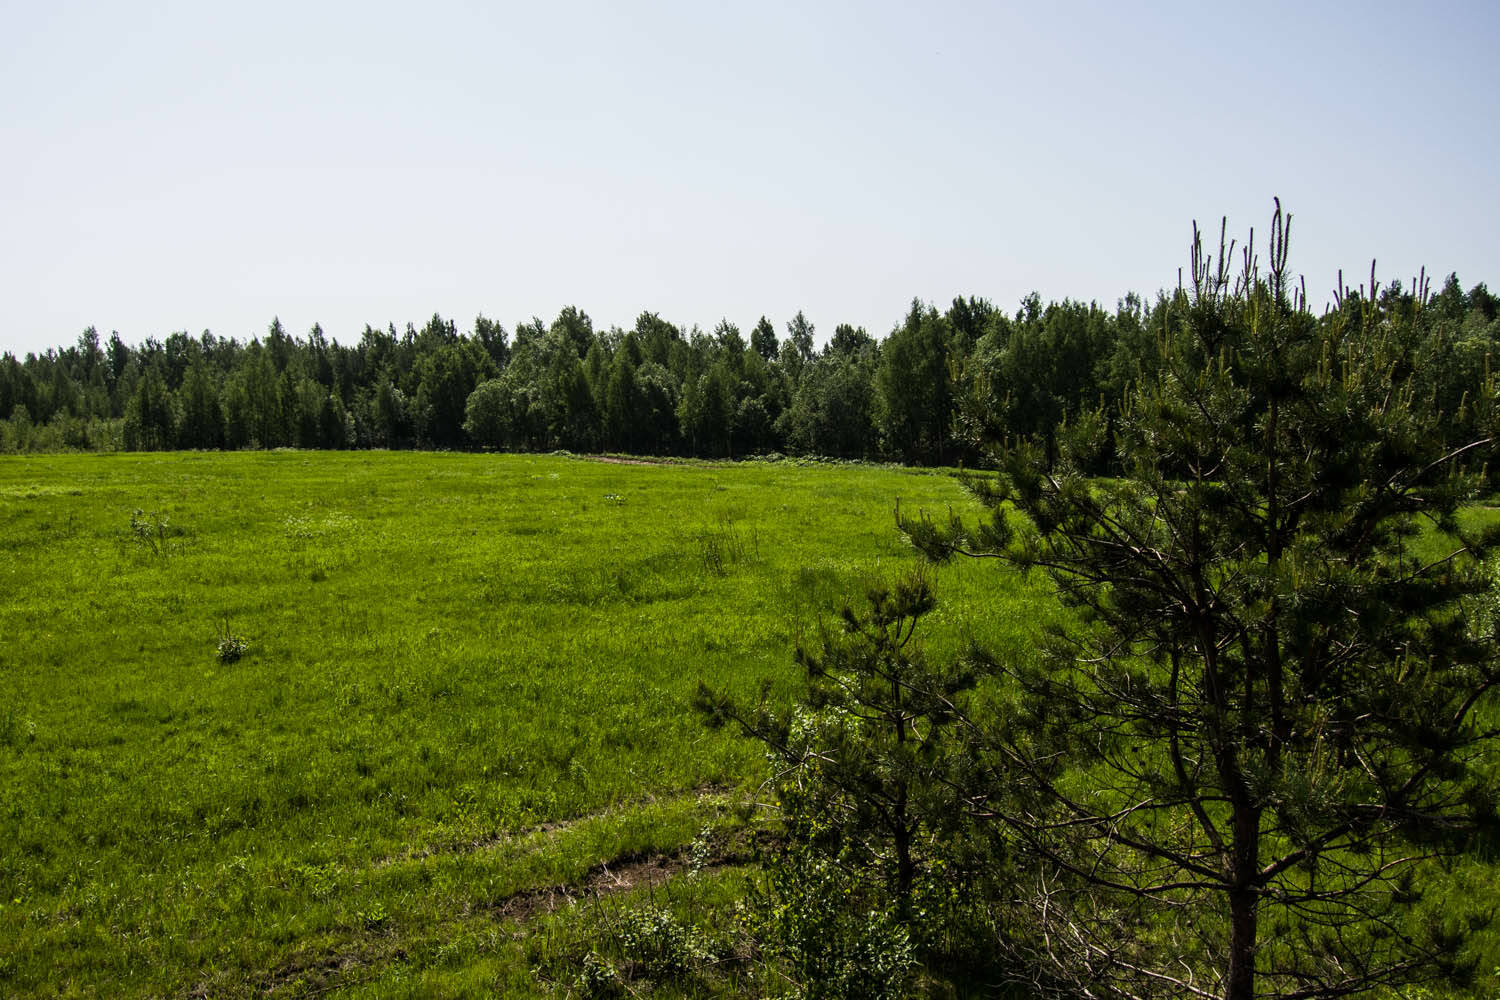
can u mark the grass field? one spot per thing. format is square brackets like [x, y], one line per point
[464, 701]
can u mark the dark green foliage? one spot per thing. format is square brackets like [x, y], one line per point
[658, 423]
[148, 419]
[969, 319]
[799, 334]
[1027, 376]
[763, 340]
[11, 374]
[880, 868]
[305, 404]
[912, 394]
[730, 346]
[859, 766]
[575, 421]
[849, 341]
[262, 403]
[200, 419]
[445, 379]
[1271, 714]
[574, 329]
[657, 338]
[831, 412]
[492, 415]
[752, 431]
[624, 406]
[492, 337]
[935, 391]
[706, 412]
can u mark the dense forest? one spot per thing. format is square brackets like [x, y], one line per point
[938, 386]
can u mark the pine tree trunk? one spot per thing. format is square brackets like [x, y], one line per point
[1243, 899]
[906, 871]
[1242, 932]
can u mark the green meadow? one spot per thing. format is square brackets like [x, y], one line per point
[461, 727]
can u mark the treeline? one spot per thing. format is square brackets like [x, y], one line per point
[931, 392]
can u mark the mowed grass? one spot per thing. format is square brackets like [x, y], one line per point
[467, 677]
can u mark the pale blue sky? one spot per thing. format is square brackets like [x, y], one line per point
[176, 166]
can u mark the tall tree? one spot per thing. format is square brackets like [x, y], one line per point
[1236, 767]
[278, 344]
[661, 394]
[262, 399]
[447, 376]
[763, 340]
[90, 355]
[849, 341]
[831, 411]
[968, 320]
[706, 411]
[148, 419]
[657, 338]
[575, 328]
[200, 415]
[799, 332]
[624, 407]
[731, 346]
[913, 400]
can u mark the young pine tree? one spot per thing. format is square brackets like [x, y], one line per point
[859, 765]
[1236, 771]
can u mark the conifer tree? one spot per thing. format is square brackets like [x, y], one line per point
[763, 340]
[148, 418]
[1236, 767]
[201, 418]
[860, 765]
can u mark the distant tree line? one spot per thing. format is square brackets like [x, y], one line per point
[931, 392]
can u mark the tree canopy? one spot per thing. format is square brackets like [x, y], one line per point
[935, 389]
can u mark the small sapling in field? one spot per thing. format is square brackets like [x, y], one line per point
[231, 647]
[152, 531]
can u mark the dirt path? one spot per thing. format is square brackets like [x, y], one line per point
[314, 972]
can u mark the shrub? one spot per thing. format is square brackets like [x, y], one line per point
[231, 647]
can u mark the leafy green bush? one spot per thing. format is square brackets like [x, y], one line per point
[825, 925]
[661, 946]
[598, 979]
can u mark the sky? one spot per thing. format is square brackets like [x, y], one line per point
[187, 166]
